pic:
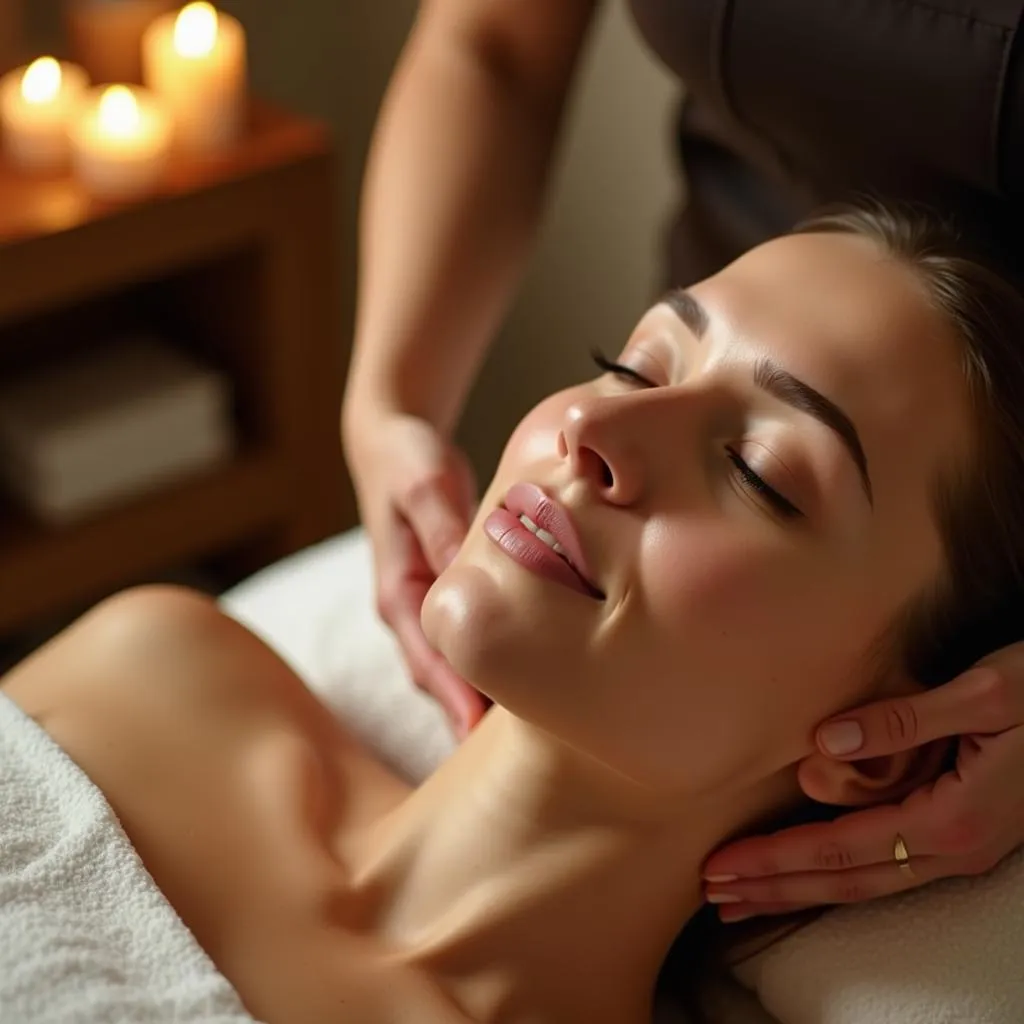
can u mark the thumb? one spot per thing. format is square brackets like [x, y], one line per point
[439, 508]
[466, 492]
[437, 524]
[969, 704]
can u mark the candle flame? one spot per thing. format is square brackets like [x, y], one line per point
[42, 80]
[119, 111]
[195, 30]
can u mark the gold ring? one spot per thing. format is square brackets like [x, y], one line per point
[902, 857]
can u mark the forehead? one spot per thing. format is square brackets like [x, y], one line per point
[853, 322]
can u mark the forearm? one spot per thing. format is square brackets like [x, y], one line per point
[452, 199]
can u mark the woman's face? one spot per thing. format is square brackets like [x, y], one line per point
[755, 510]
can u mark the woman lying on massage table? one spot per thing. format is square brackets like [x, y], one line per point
[798, 480]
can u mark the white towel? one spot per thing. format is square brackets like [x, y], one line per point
[316, 610]
[952, 953]
[85, 935]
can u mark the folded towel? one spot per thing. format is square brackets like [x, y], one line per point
[85, 935]
[951, 953]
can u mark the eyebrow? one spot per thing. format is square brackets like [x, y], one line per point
[689, 310]
[781, 384]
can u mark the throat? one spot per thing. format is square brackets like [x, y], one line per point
[519, 874]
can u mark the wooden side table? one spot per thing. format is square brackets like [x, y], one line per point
[236, 260]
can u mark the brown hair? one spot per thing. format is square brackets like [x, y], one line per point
[976, 607]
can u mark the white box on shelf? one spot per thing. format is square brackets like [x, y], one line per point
[110, 424]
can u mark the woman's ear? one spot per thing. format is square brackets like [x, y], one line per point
[876, 780]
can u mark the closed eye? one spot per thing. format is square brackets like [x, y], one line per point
[622, 372]
[780, 504]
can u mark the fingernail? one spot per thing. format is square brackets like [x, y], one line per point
[840, 738]
[733, 918]
[723, 897]
[721, 879]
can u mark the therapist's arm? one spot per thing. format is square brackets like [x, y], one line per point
[453, 194]
[452, 199]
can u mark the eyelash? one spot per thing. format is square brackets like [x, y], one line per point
[620, 371]
[781, 505]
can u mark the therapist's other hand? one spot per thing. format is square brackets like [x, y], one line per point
[963, 823]
[417, 496]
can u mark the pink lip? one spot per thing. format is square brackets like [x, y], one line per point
[529, 500]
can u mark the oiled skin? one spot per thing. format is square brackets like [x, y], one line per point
[241, 793]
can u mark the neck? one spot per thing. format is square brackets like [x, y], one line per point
[520, 872]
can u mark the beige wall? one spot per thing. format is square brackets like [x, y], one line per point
[595, 266]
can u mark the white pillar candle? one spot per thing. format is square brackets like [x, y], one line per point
[120, 143]
[196, 61]
[38, 104]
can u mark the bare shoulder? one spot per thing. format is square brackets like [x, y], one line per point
[239, 790]
[166, 671]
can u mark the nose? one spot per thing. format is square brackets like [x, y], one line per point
[600, 438]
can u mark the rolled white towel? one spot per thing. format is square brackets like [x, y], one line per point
[951, 953]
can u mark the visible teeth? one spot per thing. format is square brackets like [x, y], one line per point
[548, 538]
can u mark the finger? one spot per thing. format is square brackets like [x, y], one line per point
[976, 702]
[825, 887]
[404, 582]
[436, 512]
[463, 705]
[466, 490]
[945, 817]
[853, 840]
[403, 576]
[733, 913]
[975, 807]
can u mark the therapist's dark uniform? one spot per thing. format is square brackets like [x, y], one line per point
[792, 103]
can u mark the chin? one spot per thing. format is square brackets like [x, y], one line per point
[499, 635]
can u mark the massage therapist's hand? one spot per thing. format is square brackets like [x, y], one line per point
[416, 495]
[964, 823]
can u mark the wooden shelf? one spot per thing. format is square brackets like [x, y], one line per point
[236, 259]
[42, 569]
[55, 236]
[38, 207]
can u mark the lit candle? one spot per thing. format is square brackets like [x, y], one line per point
[121, 142]
[38, 104]
[196, 61]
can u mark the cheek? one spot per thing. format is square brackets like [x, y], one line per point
[728, 581]
[536, 436]
[533, 442]
[747, 645]
[733, 591]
